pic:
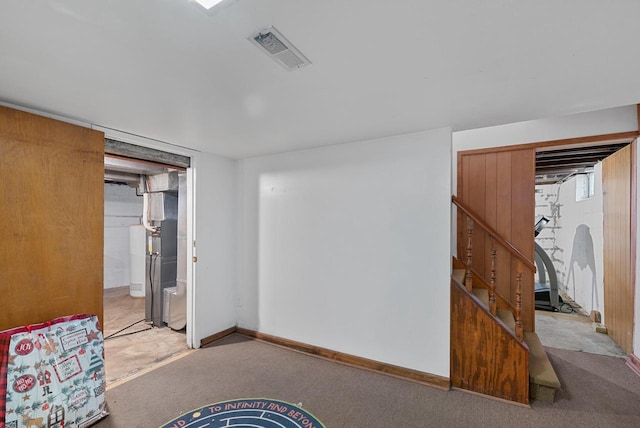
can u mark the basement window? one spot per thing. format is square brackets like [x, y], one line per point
[585, 186]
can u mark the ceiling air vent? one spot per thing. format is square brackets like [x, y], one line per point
[279, 48]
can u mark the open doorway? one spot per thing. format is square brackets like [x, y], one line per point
[144, 258]
[570, 246]
[499, 185]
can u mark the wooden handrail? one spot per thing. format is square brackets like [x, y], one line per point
[494, 234]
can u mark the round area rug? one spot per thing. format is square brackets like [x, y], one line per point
[247, 412]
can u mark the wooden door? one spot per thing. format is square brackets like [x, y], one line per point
[618, 280]
[499, 186]
[51, 219]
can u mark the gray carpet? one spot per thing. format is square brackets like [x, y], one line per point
[597, 391]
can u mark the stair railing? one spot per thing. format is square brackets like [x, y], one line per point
[523, 261]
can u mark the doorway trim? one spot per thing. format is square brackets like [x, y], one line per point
[191, 224]
[558, 144]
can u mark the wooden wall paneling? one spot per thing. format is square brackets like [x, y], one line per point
[522, 222]
[463, 183]
[51, 219]
[476, 200]
[618, 284]
[490, 209]
[503, 221]
[500, 188]
[485, 356]
[626, 321]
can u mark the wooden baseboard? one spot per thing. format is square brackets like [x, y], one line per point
[217, 336]
[634, 363]
[351, 360]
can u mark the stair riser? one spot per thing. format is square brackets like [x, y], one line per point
[542, 393]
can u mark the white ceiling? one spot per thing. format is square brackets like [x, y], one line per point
[166, 70]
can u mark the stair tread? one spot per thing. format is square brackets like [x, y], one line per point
[483, 295]
[541, 371]
[506, 317]
[459, 275]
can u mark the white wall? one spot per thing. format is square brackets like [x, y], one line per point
[122, 208]
[574, 240]
[347, 248]
[213, 298]
[620, 119]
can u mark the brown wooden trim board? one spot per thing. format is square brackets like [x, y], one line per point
[217, 336]
[593, 139]
[339, 357]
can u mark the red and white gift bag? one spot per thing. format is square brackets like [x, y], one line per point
[52, 374]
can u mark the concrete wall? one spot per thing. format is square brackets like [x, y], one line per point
[574, 240]
[346, 247]
[122, 208]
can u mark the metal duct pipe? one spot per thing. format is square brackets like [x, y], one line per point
[145, 214]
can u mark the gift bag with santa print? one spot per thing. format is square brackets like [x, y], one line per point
[52, 374]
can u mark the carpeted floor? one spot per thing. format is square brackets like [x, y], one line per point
[597, 391]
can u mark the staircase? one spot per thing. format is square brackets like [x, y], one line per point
[491, 353]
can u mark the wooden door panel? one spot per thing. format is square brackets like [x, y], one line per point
[618, 281]
[51, 219]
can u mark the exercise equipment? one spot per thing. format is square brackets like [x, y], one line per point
[546, 288]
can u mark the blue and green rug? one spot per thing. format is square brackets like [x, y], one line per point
[247, 412]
